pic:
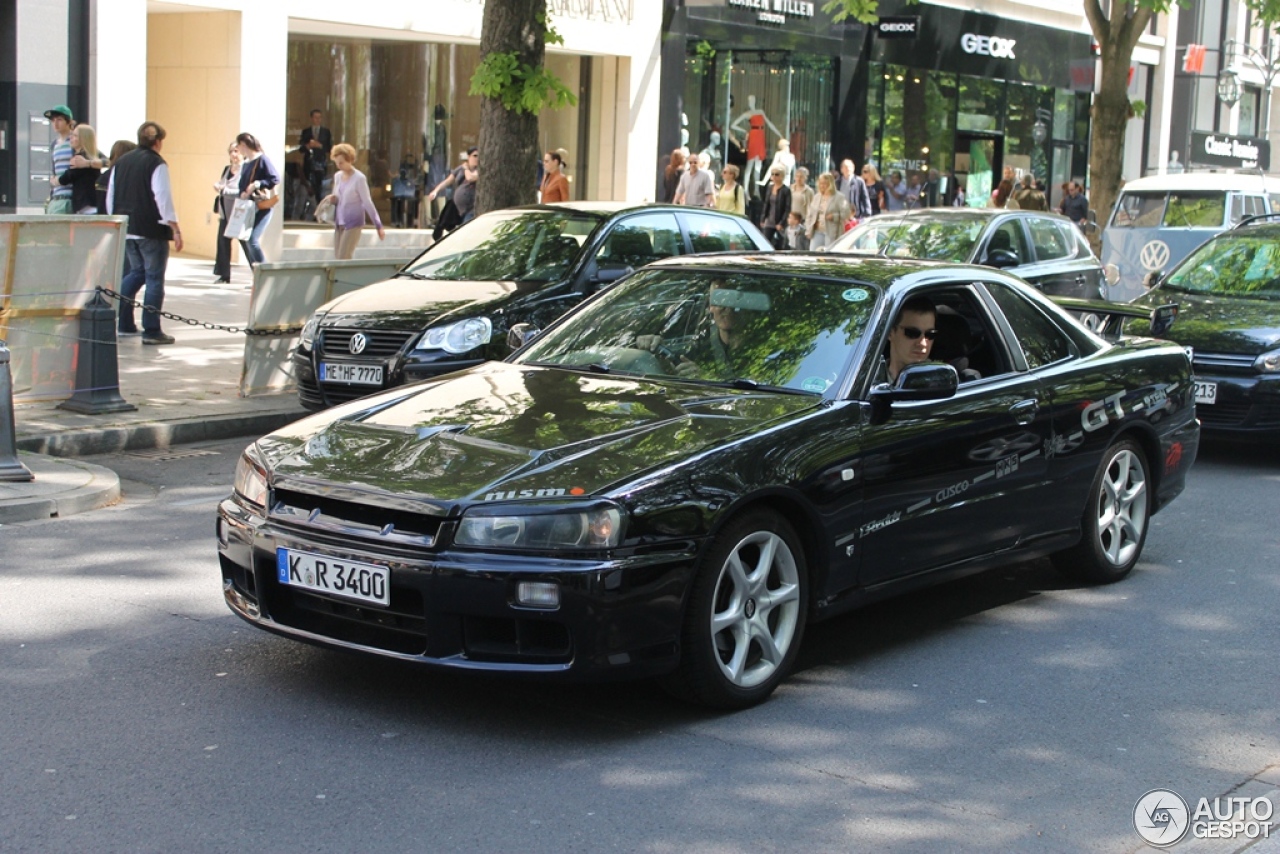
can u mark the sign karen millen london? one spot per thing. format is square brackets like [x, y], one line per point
[776, 11]
[1233, 152]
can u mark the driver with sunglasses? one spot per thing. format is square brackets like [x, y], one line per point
[911, 338]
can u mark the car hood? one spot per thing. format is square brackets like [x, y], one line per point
[406, 303]
[1221, 324]
[500, 431]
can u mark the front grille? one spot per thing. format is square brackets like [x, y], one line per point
[505, 639]
[400, 628]
[336, 343]
[1223, 414]
[378, 525]
[1233, 362]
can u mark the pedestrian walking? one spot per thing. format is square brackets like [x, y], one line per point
[259, 181]
[1075, 206]
[672, 174]
[895, 192]
[463, 180]
[776, 208]
[228, 188]
[875, 188]
[827, 213]
[140, 189]
[61, 152]
[801, 193]
[83, 179]
[696, 187]
[119, 149]
[352, 203]
[1027, 197]
[850, 185]
[555, 186]
[1004, 190]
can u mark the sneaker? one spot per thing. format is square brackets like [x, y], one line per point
[158, 338]
[127, 333]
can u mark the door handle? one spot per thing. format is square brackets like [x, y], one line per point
[1024, 411]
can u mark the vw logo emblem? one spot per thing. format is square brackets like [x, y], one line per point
[358, 342]
[1154, 255]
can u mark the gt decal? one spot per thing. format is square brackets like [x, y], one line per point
[1094, 416]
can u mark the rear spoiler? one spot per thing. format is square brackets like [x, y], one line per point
[1108, 318]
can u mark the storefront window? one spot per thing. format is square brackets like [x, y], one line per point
[1026, 148]
[738, 104]
[918, 121]
[981, 104]
[405, 108]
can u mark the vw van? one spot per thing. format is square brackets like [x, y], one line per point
[1158, 220]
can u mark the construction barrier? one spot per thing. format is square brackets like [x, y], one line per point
[50, 268]
[285, 294]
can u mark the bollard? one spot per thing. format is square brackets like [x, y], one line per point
[10, 468]
[97, 368]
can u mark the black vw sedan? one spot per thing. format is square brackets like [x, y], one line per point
[679, 475]
[1045, 249]
[453, 305]
[1228, 297]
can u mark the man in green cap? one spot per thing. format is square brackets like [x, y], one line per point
[62, 151]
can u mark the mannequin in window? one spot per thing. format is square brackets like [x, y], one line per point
[783, 159]
[713, 151]
[755, 121]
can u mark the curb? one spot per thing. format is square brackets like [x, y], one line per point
[156, 434]
[64, 488]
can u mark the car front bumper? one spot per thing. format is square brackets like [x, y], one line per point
[616, 618]
[315, 395]
[1245, 405]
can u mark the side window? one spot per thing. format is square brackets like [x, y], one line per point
[1009, 237]
[1275, 203]
[638, 240]
[716, 233]
[1042, 342]
[1050, 242]
[1237, 208]
[1255, 206]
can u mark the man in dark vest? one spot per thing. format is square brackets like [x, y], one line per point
[316, 143]
[139, 189]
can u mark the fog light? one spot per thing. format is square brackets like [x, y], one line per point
[538, 594]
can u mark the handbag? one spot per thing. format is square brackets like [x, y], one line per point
[326, 211]
[240, 223]
[266, 198]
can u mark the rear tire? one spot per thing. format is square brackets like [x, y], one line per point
[746, 614]
[1115, 520]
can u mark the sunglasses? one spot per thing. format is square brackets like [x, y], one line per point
[914, 332]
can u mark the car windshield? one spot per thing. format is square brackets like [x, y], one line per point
[510, 245]
[742, 329]
[1235, 264]
[950, 239]
[1161, 209]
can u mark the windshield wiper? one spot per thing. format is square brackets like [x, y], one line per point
[747, 384]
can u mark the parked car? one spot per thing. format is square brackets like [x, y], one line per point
[1045, 249]
[676, 477]
[452, 306]
[1158, 220]
[1227, 294]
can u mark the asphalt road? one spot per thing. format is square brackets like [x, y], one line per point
[1009, 711]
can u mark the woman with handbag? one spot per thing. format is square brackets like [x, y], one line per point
[352, 203]
[228, 187]
[259, 182]
[827, 213]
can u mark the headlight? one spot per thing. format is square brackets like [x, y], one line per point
[598, 527]
[309, 331]
[251, 478]
[461, 337]
[1268, 363]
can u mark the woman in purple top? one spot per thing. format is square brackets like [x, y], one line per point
[352, 203]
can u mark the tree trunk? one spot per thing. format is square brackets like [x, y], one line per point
[509, 140]
[1116, 39]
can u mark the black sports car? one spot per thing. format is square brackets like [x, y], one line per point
[1227, 294]
[677, 476]
[1045, 249]
[453, 306]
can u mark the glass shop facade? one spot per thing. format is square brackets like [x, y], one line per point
[930, 87]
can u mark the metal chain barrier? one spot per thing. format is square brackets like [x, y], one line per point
[218, 327]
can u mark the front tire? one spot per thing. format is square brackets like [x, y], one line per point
[746, 614]
[1115, 520]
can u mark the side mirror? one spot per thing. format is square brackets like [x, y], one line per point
[1162, 319]
[928, 381]
[1001, 258]
[1150, 280]
[521, 334]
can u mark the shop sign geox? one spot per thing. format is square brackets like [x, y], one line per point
[775, 11]
[992, 46]
[898, 27]
[1232, 152]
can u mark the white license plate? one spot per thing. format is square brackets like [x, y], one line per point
[1206, 392]
[352, 579]
[344, 372]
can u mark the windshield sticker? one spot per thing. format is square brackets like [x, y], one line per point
[855, 295]
[815, 384]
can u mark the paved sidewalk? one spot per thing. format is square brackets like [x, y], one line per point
[185, 392]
